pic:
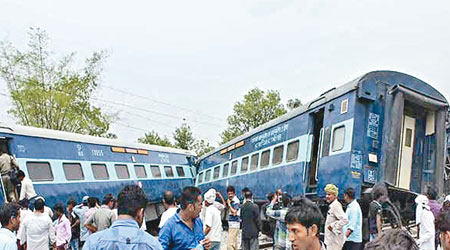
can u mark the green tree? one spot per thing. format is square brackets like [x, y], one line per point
[257, 107]
[48, 92]
[293, 104]
[153, 138]
[202, 147]
[183, 137]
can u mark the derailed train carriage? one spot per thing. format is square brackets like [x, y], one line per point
[65, 165]
[384, 126]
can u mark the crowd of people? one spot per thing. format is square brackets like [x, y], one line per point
[195, 221]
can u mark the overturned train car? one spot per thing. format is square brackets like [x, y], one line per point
[383, 126]
[65, 165]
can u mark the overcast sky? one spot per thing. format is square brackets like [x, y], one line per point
[192, 60]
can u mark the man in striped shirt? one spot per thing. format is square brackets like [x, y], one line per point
[280, 239]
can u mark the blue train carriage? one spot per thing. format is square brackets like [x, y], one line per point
[383, 126]
[66, 165]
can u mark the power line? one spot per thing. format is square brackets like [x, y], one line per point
[142, 109]
[114, 122]
[161, 102]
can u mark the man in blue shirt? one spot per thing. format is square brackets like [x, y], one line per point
[125, 232]
[184, 230]
[352, 229]
[10, 220]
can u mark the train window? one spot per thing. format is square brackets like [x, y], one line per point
[338, 138]
[244, 165]
[277, 155]
[208, 175]
[292, 151]
[233, 168]
[100, 172]
[156, 172]
[254, 162]
[265, 156]
[200, 178]
[216, 172]
[122, 171]
[408, 138]
[225, 170]
[73, 171]
[40, 171]
[180, 171]
[140, 171]
[169, 171]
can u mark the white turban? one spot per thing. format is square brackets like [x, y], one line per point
[447, 198]
[422, 202]
[210, 196]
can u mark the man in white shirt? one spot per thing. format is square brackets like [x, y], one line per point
[425, 220]
[24, 212]
[10, 220]
[38, 229]
[27, 190]
[171, 207]
[212, 221]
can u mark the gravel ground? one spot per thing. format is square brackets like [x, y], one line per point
[263, 240]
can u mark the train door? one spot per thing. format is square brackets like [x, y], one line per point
[406, 152]
[316, 149]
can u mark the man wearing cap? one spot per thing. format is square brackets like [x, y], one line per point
[212, 222]
[80, 211]
[336, 219]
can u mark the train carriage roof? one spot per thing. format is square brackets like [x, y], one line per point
[390, 77]
[67, 136]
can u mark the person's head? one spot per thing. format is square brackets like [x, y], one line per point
[39, 205]
[286, 200]
[85, 200]
[210, 197]
[132, 201]
[270, 196]
[24, 203]
[231, 192]
[71, 203]
[248, 195]
[279, 192]
[191, 201]
[443, 224]
[332, 192]
[21, 175]
[393, 239]
[446, 205]
[58, 209]
[97, 201]
[349, 195]
[169, 199]
[92, 202]
[380, 193]
[10, 216]
[303, 221]
[432, 194]
[109, 200]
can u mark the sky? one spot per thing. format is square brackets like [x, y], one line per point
[174, 62]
